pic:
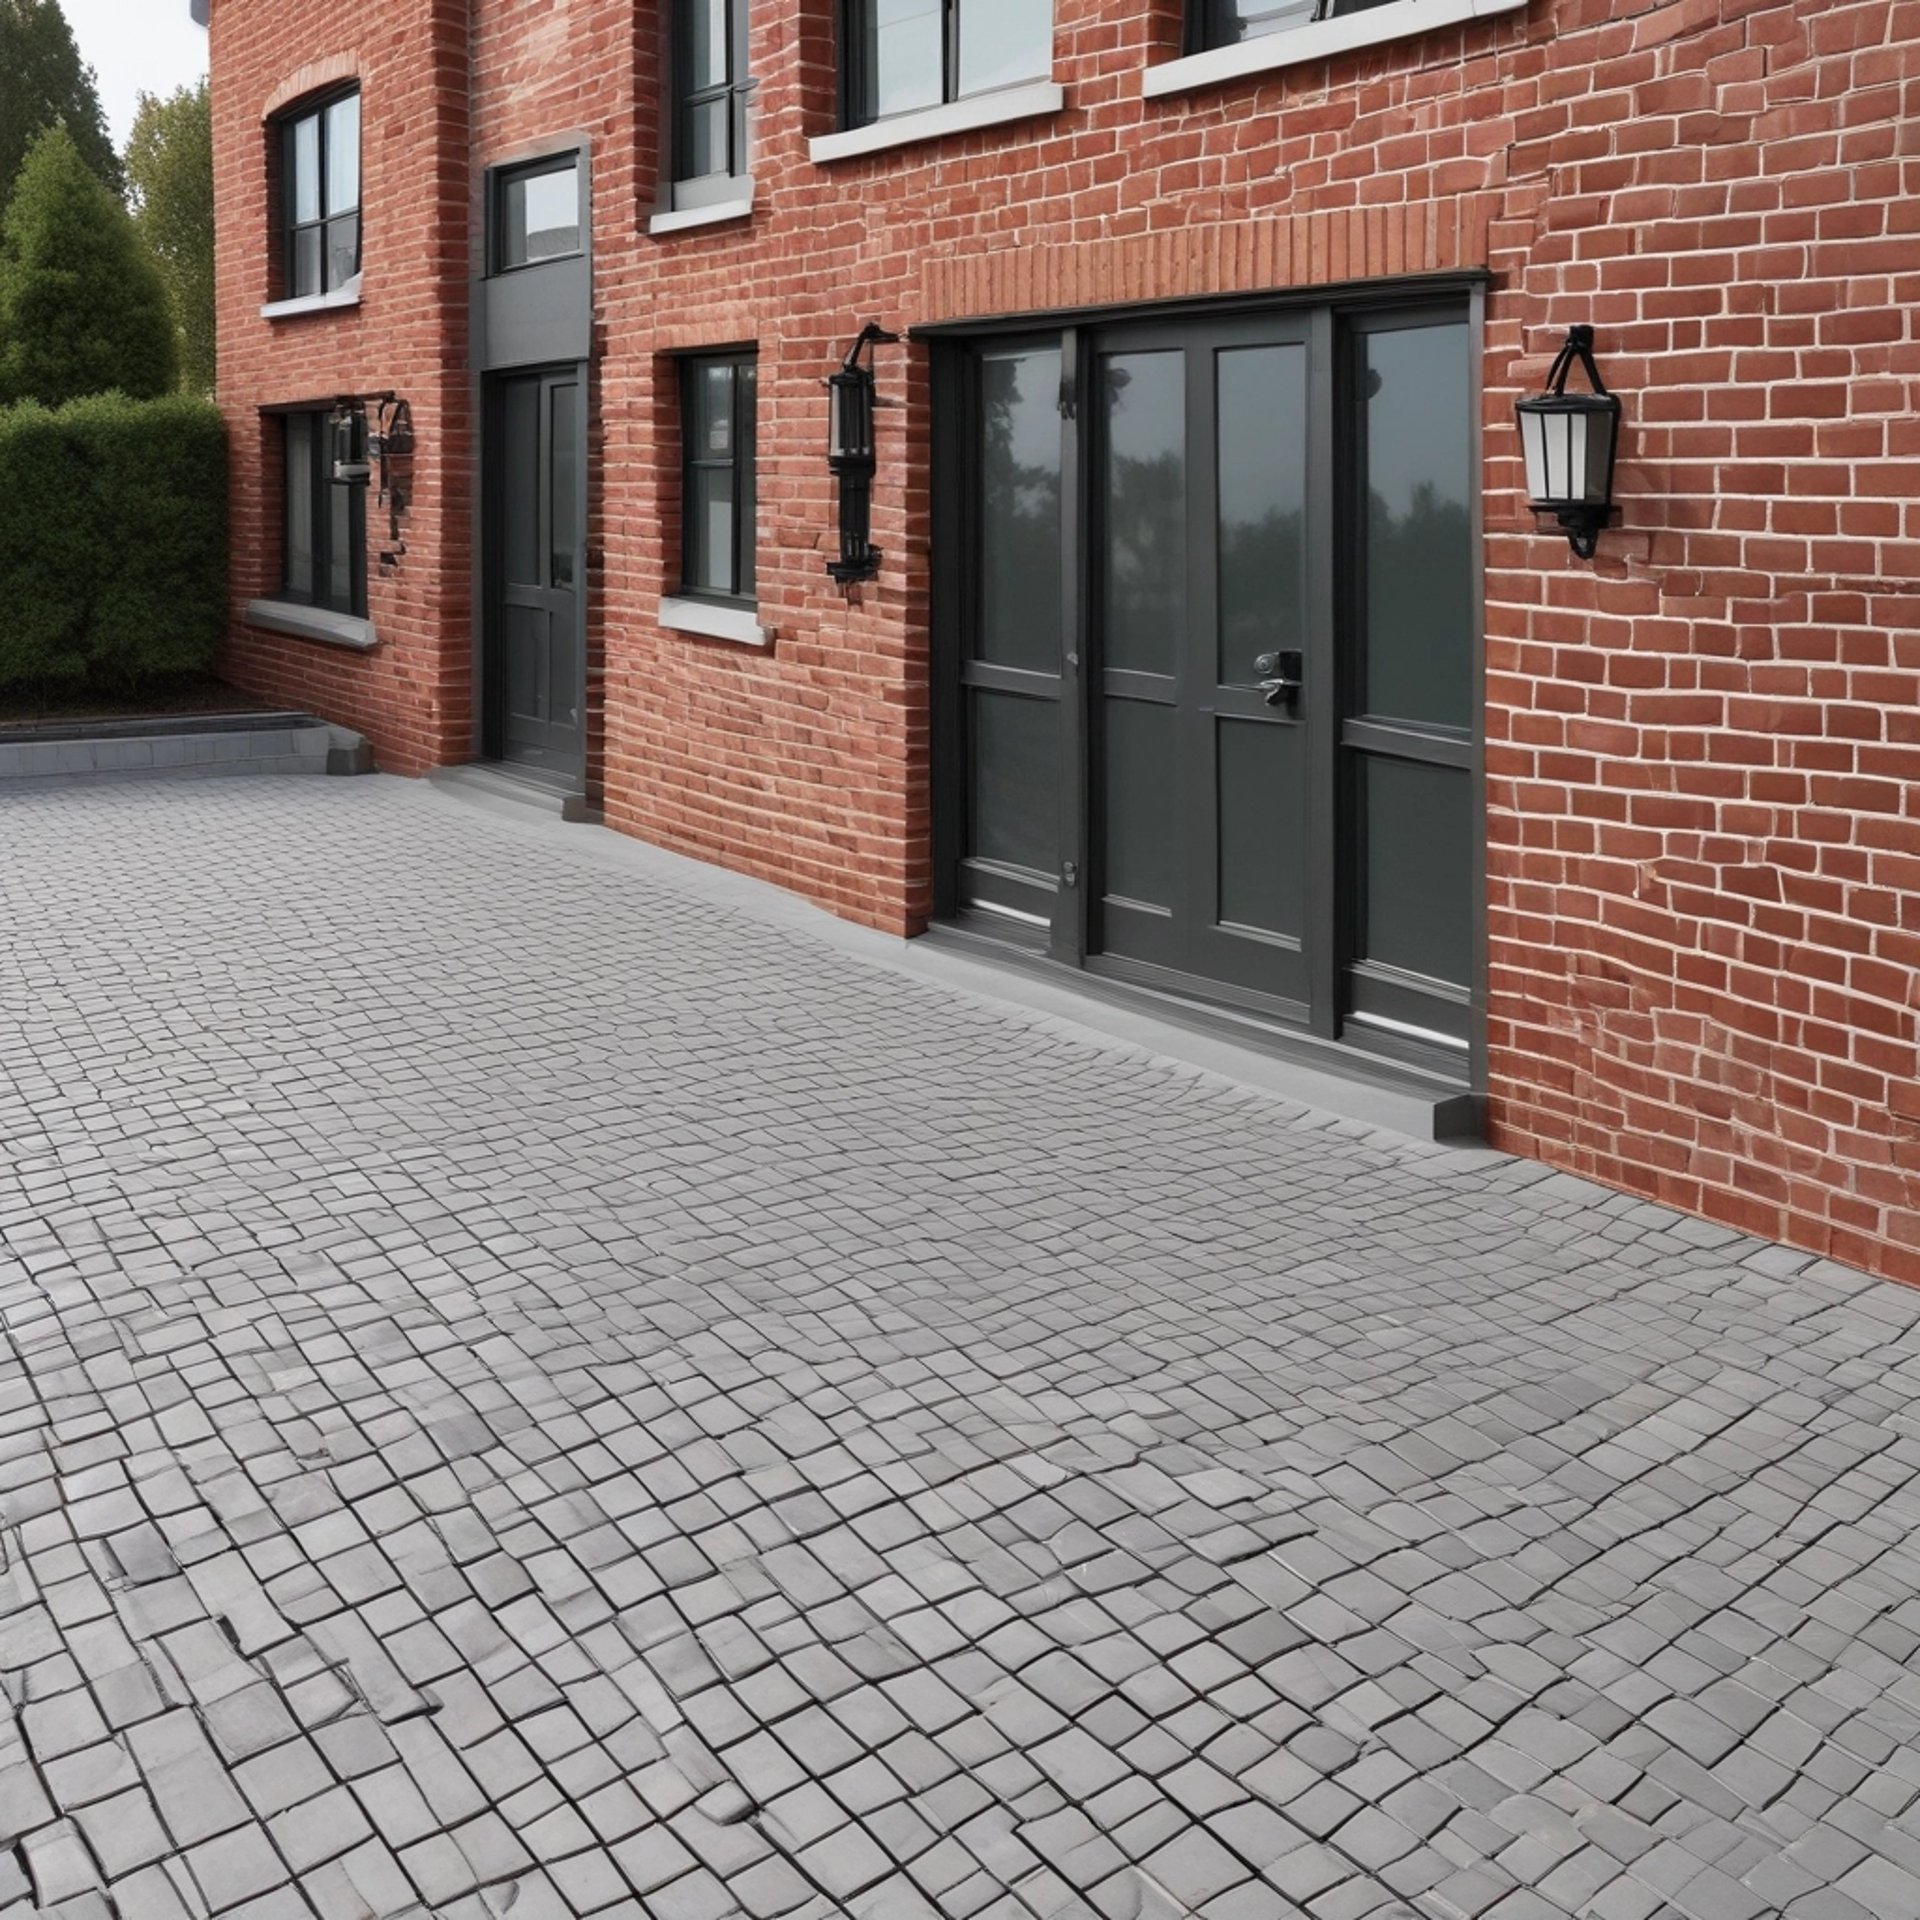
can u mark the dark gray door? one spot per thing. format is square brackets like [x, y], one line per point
[533, 616]
[1211, 721]
[1203, 524]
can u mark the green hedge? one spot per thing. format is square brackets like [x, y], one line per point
[113, 540]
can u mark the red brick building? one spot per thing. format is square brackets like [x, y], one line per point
[1212, 314]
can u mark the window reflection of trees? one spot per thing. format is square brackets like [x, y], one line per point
[1015, 739]
[1020, 512]
[1419, 608]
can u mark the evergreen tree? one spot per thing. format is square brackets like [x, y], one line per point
[82, 308]
[44, 83]
[170, 174]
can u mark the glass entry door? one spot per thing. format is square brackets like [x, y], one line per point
[1210, 605]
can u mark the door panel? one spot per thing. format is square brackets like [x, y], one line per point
[1202, 535]
[1408, 775]
[533, 620]
[1142, 619]
[1011, 672]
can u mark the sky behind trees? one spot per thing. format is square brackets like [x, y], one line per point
[134, 46]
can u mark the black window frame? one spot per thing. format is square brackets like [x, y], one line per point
[321, 487]
[317, 108]
[501, 178]
[1209, 22]
[689, 189]
[741, 459]
[852, 20]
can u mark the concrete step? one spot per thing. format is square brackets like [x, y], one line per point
[185, 746]
[479, 780]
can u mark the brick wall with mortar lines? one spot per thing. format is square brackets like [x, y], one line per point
[1701, 748]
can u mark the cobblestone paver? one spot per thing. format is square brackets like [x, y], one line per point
[525, 1391]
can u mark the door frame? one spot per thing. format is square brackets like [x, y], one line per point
[489, 725]
[952, 476]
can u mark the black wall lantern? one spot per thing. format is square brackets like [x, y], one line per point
[1569, 441]
[850, 455]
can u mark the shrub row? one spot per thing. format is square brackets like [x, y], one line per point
[113, 540]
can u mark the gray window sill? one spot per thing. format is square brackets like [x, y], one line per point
[736, 207]
[341, 296]
[313, 623]
[738, 624]
[1028, 101]
[1316, 40]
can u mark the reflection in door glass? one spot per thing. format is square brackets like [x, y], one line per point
[1263, 506]
[1417, 661]
[1016, 761]
[563, 517]
[1416, 869]
[519, 466]
[1020, 509]
[1144, 396]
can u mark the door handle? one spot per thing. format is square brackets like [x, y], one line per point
[1280, 677]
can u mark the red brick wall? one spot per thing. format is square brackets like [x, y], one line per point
[1705, 845]
[409, 333]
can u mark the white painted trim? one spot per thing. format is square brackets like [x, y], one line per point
[1028, 101]
[347, 294]
[739, 624]
[1316, 40]
[684, 217]
[313, 623]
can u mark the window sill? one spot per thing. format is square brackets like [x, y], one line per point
[1028, 101]
[738, 624]
[735, 207]
[1316, 40]
[343, 296]
[313, 623]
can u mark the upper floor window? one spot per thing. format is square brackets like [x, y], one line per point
[320, 175]
[536, 212]
[902, 56]
[1226, 23]
[709, 105]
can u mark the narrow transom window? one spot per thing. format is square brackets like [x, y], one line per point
[320, 177]
[1226, 23]
[536, 214]
[710, 90]
[719, 496]
[901, 56]
[324, 549]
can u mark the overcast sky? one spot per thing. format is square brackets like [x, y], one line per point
[134, 46]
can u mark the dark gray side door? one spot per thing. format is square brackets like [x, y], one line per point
[533, 624]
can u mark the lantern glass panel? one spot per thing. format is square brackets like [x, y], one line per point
[1533, 443]
[851, 435]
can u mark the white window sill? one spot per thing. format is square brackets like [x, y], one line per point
[346, 295]
[1316, 40]
[313, 623]
[1025, 102]
[736, 207]
[739, 624]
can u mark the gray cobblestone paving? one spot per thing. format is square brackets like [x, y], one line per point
[526, 1390]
